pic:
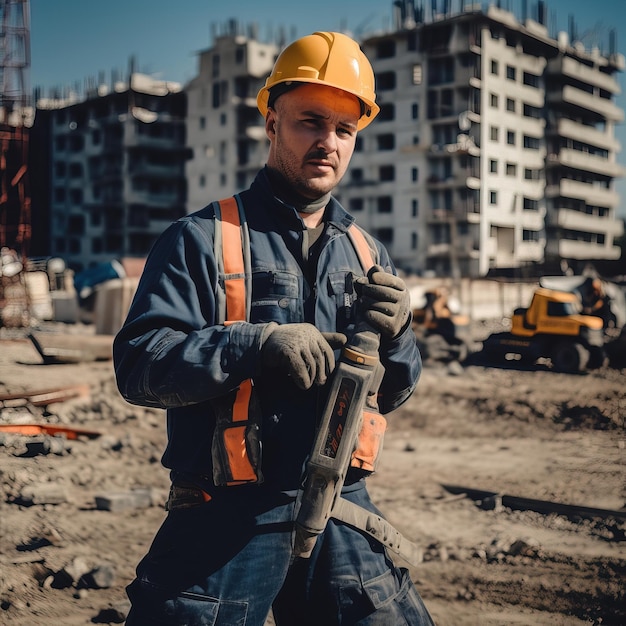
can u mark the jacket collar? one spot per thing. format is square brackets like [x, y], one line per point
[287, 215]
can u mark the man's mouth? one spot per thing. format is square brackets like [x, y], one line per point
[320, 163]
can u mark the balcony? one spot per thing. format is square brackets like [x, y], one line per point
[135, 140]
[154, 170]
[587, 134]
[586, 162]
[450, 180]
[464, 145]
[579, 71]
[584, 250]
[576, 220]
[591, 194]
[583, 100]
[158, 200]
[438, 250]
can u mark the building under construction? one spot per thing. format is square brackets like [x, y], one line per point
[15, 121]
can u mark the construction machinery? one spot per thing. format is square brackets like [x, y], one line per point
[443, 333]
[551, 327]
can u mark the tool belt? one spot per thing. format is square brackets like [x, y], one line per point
[185, 495]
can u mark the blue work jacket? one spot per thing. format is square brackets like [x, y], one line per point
[171, 353]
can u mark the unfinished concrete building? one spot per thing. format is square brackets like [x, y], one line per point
[117, 174]
[494, 151]
[225, 131]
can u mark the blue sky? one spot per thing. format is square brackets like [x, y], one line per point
[72, 40]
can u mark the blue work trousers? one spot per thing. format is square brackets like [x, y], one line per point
[228, 562]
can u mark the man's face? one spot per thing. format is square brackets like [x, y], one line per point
[312, 131]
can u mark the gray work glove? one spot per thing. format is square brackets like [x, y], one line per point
[384, 300]
[301, 352]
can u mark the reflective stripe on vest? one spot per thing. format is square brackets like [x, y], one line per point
[362, 247]
[232, 257]
[234, 438]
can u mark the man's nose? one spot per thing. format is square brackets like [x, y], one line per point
[327, 141]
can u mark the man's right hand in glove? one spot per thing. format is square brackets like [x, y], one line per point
[301, 352]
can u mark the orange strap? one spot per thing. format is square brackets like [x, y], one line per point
[234, 270]
[235, 438]
[363, 250]
[235, 288]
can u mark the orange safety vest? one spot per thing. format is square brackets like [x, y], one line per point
[236, 445]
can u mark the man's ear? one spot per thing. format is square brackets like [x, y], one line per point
[270, 123]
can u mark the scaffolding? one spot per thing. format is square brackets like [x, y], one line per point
[15, 111]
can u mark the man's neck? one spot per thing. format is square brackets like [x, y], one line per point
[311, 211]
[311, 220]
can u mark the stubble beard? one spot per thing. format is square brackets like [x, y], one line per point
[292, 169]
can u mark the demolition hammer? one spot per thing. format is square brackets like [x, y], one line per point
[355, 382]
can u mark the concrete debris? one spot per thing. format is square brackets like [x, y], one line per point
[77, 574]
[123, 501]
[46, 493]
[113, 614]
[47, 536]
[100, 577]
[71, 573]
[502, 548]
[47, 445]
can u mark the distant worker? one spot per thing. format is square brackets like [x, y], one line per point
[595, 301]
[224, 554]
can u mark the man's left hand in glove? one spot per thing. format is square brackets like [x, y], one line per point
[384, 301]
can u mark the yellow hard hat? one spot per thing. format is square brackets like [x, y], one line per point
[322, 58]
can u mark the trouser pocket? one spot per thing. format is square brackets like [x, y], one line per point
[156, 605]
[387, 599]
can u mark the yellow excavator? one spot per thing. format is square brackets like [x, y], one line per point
[553, 327]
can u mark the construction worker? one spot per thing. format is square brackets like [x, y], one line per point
[595, 301]
[224, 552]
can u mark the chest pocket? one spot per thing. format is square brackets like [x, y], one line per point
[275, 297]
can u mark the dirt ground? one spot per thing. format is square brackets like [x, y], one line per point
[517, 433]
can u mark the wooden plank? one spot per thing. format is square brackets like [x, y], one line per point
[43, 397]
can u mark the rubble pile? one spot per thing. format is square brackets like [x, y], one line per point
[103, 461]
